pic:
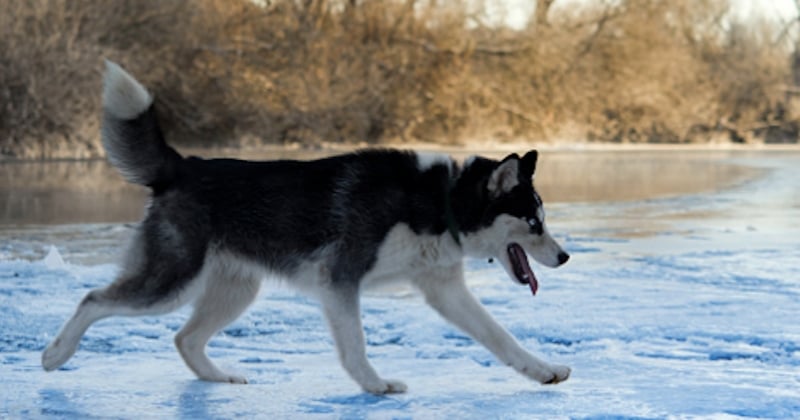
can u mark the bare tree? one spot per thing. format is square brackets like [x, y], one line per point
[540, 14]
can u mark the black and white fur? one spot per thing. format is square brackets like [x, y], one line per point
[331, 227]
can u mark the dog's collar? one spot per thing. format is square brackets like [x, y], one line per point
[449, 216]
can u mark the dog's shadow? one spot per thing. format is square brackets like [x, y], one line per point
[194, 400]
[363, 404]
[57, 403]
[355, 405]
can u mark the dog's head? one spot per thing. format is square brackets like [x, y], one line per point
[502, 216]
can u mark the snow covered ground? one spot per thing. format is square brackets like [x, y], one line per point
[672, 307]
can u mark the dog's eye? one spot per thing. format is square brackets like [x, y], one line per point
[535, 226]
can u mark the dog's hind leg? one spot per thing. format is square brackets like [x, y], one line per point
[91, 309]
[114, 300]
[341, 308]
[446, 292]
[230, 289]
[155, 279]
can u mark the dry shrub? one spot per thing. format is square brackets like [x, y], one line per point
[239, 72]
[653, 71]
[338, 72]
[51, 55]
[47, 81]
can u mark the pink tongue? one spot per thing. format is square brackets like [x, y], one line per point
[522, 270]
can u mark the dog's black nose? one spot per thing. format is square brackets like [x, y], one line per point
[562, 258]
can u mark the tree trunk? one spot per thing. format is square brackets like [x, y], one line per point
[540, 15]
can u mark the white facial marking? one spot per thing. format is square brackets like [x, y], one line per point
[493, 241]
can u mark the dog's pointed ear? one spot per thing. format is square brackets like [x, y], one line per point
[527, 166]
[505, 176]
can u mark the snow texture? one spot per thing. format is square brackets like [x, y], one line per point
[673, 307]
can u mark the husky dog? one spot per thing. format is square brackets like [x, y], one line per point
[331, 227]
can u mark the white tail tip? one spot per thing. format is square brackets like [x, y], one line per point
[123, 96]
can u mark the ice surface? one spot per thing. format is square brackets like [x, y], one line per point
[679, 307]
[53, 259]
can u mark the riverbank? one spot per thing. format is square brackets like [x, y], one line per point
[488, 147]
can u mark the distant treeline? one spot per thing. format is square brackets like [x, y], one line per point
[310, 72]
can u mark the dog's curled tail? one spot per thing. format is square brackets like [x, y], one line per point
[131, 134]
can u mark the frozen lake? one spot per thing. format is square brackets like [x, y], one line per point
[93, 192]
[681, 300]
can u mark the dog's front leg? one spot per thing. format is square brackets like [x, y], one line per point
[341, 308]
[446, 292]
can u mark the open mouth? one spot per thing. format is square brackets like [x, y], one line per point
[521, 268]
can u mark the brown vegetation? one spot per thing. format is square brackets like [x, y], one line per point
[241, 72]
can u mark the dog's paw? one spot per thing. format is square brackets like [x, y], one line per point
[388, 386]
[56, 354]
[545, 373]
[237, 379]
[224, 377]
[558, 373]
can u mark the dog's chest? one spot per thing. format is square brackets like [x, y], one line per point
[404, 254]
